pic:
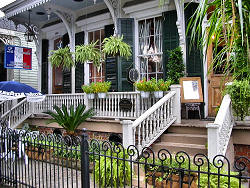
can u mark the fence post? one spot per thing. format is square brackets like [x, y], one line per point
[127, 133]
[212, 140]
[85, 160]
[177, 102]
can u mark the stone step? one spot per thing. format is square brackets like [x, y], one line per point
[191, 149]
[184, 138]
[180, 129]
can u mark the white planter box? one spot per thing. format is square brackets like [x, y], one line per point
[158, 94]
[91, 96]
[102, 95]
[145, 94]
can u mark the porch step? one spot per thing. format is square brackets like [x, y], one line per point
[184, 138]
[173, 147]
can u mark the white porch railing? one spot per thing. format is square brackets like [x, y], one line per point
[109, 106]
[220, 131]
[151, 124]
[58, 99]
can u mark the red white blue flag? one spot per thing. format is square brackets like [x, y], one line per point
[17, 57]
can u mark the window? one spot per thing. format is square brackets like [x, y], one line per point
[95, 74]
[150, 48]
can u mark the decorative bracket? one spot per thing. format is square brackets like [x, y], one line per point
[114, 7]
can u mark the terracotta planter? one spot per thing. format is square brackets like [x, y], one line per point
[145, 94]
[158, 94]
[36, 153]
[91, 96]
[102, 95]
[172, 181]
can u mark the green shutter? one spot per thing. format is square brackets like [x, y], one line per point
[194, 61]
[66, 72]
[44, 73]
[126, 28]
[170, 35]
[111, 62]
[79, 71]
[194, 56]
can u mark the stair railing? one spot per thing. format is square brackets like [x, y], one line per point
[17, 114]
[5, 106]
[219, 132]
[154, 122]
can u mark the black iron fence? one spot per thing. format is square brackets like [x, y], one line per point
[30, 159]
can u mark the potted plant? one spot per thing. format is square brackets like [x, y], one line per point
[159, 87]
[61, 57]
[101, 88]
[114, 46]
[88, 52]
[70, 119]
[145, 87]
[88, 89]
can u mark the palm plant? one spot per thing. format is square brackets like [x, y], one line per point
[61, 57]
[228, 26]
[71, 119]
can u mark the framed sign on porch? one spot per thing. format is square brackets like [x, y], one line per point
[191, 90]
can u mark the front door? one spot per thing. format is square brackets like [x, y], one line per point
[216, 83]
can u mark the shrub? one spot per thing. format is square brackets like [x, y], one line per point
[239, 93]
[175, 67]
[121, 170]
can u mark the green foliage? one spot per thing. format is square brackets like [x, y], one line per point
[71, 119]
[144, 85]
[87, 89]
[175, 67]
[239, 93]
[230, 36]
[61, 57]
[121, 170]
[100, 87]
[114, 45]
[88, 52]
[160, 85]
[159, 166]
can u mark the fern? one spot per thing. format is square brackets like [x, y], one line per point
[61, 57]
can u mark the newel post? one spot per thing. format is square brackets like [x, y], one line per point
[212, 140]
[127, 133]
[177, 102]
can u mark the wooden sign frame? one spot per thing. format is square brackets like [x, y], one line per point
[195, 83]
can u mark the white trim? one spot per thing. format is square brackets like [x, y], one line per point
[26, 6]
[95, 22]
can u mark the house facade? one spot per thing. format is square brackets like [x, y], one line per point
[151, 30]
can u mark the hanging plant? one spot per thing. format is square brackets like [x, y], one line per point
[114, 45]
[88, 53]
[61, 57]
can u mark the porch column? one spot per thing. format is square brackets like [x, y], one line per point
[180, 23]
[68, 17]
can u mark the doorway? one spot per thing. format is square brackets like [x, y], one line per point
[216, 83]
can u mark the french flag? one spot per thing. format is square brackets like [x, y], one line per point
[17, 57]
